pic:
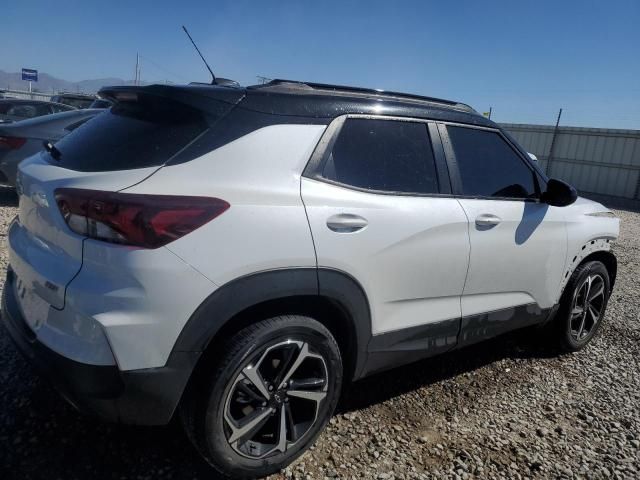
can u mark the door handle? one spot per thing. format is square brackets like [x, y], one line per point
[487, 220]
[346, 223]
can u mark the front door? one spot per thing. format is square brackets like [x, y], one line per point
[518, 244]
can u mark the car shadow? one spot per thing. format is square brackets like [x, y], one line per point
[522, 344]
[47, 438]
[8, 197]
[532, 217]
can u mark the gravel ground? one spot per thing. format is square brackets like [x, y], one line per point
[507, 408]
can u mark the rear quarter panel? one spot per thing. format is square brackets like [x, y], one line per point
[259, 176]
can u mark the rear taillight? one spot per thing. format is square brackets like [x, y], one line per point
[148, 221]
[12, 143]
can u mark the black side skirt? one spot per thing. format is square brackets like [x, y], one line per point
[400, 347]
[476, 328]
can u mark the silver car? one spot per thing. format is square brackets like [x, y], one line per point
[20, 140]
[16, 109]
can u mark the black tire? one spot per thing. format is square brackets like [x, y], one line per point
[566, 323]
[224, 392]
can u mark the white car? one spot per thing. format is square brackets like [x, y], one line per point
[239, 254]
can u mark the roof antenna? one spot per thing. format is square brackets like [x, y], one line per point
[213, 77]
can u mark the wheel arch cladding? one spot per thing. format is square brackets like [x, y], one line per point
[610, 262]
[331, 297]
[594, 250]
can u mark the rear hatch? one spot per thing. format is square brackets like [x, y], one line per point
[110, 152]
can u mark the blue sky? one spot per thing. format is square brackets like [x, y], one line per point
[524, 59]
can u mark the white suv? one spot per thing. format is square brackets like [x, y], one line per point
[238, 254]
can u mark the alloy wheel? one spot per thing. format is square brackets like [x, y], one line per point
[274, 401]
[588, 304]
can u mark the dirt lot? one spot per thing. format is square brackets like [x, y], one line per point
[508, 408]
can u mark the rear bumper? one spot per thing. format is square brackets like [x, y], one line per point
[142, 397]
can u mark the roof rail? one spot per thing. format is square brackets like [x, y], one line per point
[360, 90]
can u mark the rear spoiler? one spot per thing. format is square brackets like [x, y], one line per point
[202, 97]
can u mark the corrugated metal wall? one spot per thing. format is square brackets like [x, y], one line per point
[26, 95]
[603, 161]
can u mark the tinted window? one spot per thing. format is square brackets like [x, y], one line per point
[130, 135]
[60, 108]
[384, 155]
[73, 101]
[488, 165]
[100, 103]
[27, 110]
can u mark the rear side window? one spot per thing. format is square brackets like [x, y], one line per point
[383, 155]
[130, 135]
[488, 166]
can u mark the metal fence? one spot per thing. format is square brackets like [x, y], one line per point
[594, 160]
[26, 95]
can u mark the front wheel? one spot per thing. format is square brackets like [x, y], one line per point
[583, 306]
[271, 393]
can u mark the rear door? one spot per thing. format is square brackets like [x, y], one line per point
[374, 195]
[518, 244]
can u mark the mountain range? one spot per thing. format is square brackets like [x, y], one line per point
[47, 83]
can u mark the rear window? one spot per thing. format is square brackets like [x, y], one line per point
[24, 110]
[130, 135]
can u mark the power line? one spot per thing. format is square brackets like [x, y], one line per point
[163, 69]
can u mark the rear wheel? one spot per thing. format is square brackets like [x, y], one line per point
[268, 397]
[583, 306]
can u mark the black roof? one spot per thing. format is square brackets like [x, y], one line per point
[294, 86]
[316, 100]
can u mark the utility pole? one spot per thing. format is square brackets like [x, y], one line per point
[135, 78]
[263, 80]
[490, 110]
[553, 143]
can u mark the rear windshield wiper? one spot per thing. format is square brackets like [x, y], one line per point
[53, 151]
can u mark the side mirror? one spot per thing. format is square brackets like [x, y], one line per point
[559, 193]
